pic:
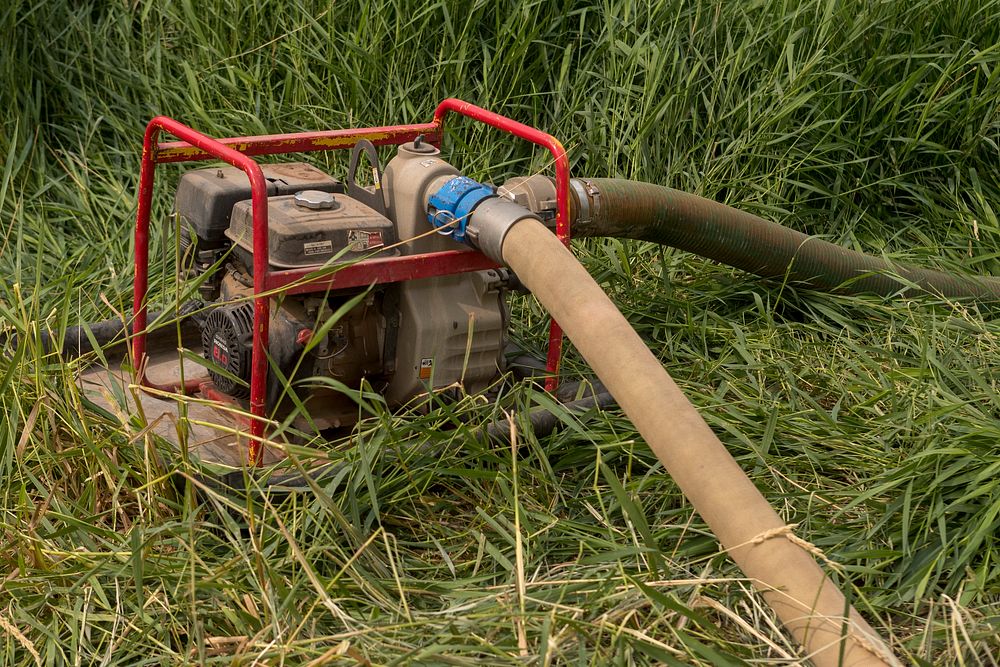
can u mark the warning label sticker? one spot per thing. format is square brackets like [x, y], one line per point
[426, 367]
[318, 248]
[361, 239]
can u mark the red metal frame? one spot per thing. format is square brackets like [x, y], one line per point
[238, 152]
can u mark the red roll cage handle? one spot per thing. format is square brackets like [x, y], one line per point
[195, 146]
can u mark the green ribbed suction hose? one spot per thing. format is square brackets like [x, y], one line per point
[646, 212]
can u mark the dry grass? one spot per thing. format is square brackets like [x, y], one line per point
[873, 425]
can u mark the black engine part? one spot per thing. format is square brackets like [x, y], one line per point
[227, 341]
[205, 197]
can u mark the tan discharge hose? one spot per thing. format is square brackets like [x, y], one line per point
[778, 563]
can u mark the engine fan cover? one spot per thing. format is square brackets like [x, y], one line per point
[227, 342]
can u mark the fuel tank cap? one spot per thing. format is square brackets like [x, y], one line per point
[316, 199]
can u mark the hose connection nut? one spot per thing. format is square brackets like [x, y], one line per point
[450, 208]
[475, 214]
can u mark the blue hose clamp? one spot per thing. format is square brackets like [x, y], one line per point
[451, 206]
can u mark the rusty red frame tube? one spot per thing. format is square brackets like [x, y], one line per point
[379, 270]
[561, 161]
[301, 142]
[261, 318]
[237, 151]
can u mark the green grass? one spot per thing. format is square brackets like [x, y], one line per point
[873, 425]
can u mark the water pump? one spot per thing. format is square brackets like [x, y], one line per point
[403, 339]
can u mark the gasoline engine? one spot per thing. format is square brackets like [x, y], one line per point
[402, 338]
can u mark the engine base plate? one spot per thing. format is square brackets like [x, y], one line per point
[216, 434]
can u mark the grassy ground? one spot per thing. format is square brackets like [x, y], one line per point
[873, 425]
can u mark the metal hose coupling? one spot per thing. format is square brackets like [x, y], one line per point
[474, 214]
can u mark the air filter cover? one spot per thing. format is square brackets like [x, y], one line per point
[205, 197]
